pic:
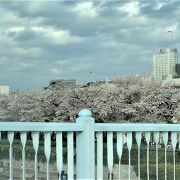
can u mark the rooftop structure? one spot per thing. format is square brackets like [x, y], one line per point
[165, 63]
[62, 83]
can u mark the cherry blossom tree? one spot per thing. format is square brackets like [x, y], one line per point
[123, 99]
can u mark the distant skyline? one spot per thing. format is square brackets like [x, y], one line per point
[87, 41]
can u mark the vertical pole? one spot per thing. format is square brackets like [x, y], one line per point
[165, 140]
[10, 139]
[156, 139]
[147, 137]
[174, 143]
[85, 147]
[138, 140]
[99, 136]
[171, 38]
[35, 138]
[110, 153]
[23, 141]
[119, 149]
[47, 150]
[59, 153]
[70, 155]
[129, 145]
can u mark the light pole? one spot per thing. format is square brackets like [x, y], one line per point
[171, 37]
[90, 77]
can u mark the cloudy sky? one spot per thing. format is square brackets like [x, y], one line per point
[41, 41]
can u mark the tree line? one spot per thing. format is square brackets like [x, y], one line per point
[122, 99]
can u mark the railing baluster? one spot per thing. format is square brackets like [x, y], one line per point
[179, 140]
[47, 149]
[10, 139]
[119, 149]
[35, 137]
[110, 153]
[59, 153]
[85, 133]
[147, 137]
[129, 145]
[156, 139]
[23, 137]
[99, 136]
[174, 142]
[165, 141]
[138, 140]
[70, 156]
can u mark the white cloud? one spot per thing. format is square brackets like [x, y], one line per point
[55, 71]
[131, 8]
[7, 42]
[59, 37]
[112, 44]
[85, 9]
[53, 39]
[25, 52]
[159, 5]
[49, 34]
[16, 29]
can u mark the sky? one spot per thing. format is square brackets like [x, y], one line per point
[85, 40]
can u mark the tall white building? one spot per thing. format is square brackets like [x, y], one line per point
[4, 89]
[165, 63]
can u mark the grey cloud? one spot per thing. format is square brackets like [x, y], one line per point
[165, 12]
[35, 9]
[109, 44]
[25, 35]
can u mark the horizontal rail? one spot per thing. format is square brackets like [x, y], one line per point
[132, 127]
[99, 127]
[40, 126]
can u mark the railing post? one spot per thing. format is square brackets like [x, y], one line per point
[85, 147]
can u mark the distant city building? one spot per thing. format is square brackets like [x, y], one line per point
[165, 64]
[4, 89]
[178, 69]
[62, 83]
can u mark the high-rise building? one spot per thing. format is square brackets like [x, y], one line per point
[165, 63]
[4, 89]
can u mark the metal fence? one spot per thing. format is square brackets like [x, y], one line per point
[88, 136]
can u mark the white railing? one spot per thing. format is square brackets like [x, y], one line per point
[35, 128]
[87, 131]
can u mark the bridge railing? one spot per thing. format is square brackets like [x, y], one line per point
[89, 135]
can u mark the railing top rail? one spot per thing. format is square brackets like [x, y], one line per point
[40, 126]
[132, 127]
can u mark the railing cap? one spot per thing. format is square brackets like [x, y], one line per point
[85, 113]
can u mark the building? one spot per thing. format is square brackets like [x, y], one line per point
[4, 89]
[70, 83]
[165, 64]
[178, 69]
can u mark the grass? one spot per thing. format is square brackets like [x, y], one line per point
[30, 153]
[17, 148]
[152, 162]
